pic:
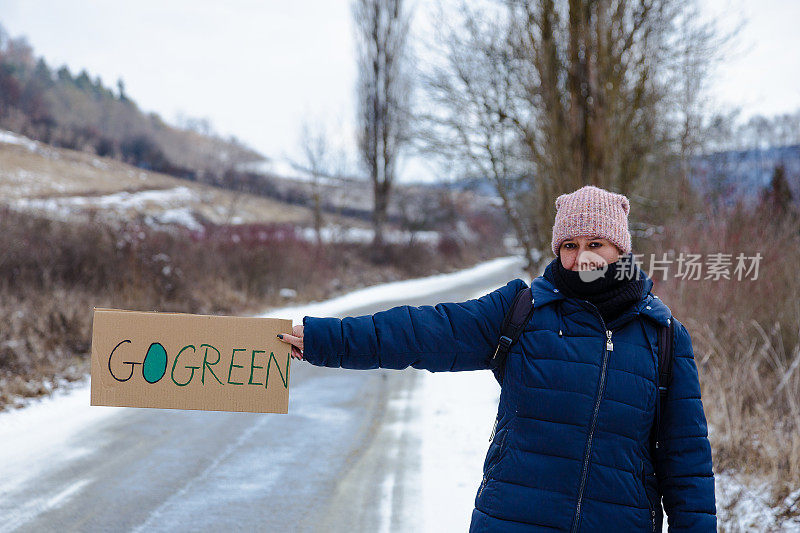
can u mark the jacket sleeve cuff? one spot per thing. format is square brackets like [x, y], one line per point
[322, 341]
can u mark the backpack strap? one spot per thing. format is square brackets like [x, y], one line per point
[517, 316]
[666, 336]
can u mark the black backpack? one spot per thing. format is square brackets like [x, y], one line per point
[520, 313]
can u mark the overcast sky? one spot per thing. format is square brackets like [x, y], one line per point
[257, 68]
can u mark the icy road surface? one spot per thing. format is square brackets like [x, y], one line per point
[378, 450]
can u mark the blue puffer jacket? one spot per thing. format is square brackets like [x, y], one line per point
[571, 449]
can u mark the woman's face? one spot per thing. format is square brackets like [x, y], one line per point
[587, 253]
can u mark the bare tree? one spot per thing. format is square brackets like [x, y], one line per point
[431, 210]
[314, 144]
[595, 79]
[557, 94]
[697, 47]
[334, 182]
[471, 96]
[384, 93]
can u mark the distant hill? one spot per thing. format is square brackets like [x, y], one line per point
[69, 185]
[723, 176]
[745, 173]
[79, 112]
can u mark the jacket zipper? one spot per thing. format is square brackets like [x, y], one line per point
[646, 497]
[608, 348]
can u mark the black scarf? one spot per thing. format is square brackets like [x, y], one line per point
[612, 293]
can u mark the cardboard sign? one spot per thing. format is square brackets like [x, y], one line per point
[184, 361]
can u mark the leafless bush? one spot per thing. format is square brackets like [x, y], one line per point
[746, 337]
[52, 274]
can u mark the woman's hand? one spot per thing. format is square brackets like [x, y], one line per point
[295, 339]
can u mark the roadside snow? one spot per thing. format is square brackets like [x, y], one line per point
[37, 435]
[458, 414]
[388, 291]
[745, 506]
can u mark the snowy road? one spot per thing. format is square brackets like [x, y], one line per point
[363, 451]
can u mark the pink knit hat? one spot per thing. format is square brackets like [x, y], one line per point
[592, 212]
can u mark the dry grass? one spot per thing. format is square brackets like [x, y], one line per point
[746, 338]
[52, 274]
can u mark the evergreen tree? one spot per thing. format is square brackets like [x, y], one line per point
[83, 81]
[43, 75]
[121, 88]
[64, 76]
[778, 196]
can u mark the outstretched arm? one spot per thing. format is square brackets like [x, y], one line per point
[443, 337]
[683, 460]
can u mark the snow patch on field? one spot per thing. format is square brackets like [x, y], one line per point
[333, 233]
[9, 137]
[177, 216]
[165, 206]
[117, 200]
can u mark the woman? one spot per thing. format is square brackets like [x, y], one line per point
[571, 447]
